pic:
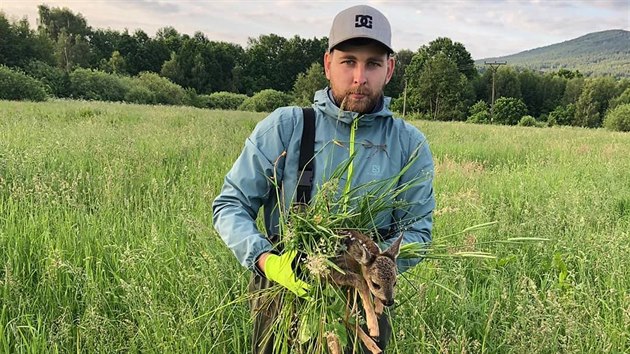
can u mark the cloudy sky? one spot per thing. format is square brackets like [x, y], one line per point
[486, 27]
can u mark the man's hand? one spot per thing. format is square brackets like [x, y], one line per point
[279, 269]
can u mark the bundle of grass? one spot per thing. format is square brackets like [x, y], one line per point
[318, 233]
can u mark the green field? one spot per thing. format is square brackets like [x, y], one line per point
[107, 245]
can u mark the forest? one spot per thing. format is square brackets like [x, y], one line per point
[64, 57]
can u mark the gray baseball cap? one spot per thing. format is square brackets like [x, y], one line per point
[360, 21]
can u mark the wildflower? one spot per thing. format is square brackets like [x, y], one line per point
[316, 264]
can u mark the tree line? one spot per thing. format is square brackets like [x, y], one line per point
[439, 81]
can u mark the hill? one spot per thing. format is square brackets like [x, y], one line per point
[594, 54]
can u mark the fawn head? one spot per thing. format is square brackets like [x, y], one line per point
[378, 268]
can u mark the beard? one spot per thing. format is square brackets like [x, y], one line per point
[365, 104]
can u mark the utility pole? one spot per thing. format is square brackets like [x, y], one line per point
[405, 99]
[493, 66]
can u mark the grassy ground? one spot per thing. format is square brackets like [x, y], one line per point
[107, 245]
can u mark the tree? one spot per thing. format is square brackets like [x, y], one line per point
[454, 51]
[573, 90]
[592, 104]
[70, 51]
[19, 44]
[204, 65]
[171, 70]
[263, 57]
[103, 43]
[439, 90]
[568, 74]
[70, 33]
[116, 63]
[532, 91]
[274, 62]
[438, 80]
[552, 88]
[169, 38]
[508, 110]
[308, 83]
[396, 85]
[507, 83]
[586, 109]
[57, 20]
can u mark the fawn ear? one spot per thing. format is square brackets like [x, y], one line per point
[393, 250]
[359, 249]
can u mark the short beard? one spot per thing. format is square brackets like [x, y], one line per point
[363, 106]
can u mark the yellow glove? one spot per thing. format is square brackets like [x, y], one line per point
[279, 269]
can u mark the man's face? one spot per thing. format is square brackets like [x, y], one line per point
[358, 74]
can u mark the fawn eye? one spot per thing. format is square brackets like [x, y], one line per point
[376, 286]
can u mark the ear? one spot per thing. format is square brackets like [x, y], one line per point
[359, 250]
[391, 63]
[327, 61]
[393, 250]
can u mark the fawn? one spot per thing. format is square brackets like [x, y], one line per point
[373, 274]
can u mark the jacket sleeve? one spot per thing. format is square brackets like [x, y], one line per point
[247, 186]
[415, 220]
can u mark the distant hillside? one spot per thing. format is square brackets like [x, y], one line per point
[596, 54]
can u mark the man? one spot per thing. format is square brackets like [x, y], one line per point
[351, 115]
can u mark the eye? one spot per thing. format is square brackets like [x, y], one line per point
[376, 286]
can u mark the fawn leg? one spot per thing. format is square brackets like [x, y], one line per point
[357, 282]
[368, 306]
[334, 346]
[370, 344]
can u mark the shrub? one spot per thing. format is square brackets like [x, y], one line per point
[482, 117]
[265, 101]
[97, 85]
[480, 106]
[56, 81]
[165, 91]
[509, 110]
[140, 94]
[562, 115]
[619, 118]
[204, 101]
[225, 100]
[15, 85]
[191, 98]
[528, 121]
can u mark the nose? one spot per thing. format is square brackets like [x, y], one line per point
[359, 75]
[389, 302]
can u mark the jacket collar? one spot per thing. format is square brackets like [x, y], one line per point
[325, 104]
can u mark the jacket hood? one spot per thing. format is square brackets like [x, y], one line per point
[329, 108]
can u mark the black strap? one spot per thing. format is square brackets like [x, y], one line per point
[307, 150]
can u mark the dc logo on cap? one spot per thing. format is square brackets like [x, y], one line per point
[363, 21]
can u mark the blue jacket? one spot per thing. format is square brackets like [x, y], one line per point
[383, 144]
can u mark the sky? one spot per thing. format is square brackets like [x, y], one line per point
[487, 28]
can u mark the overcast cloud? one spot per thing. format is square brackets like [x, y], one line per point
[486, 27]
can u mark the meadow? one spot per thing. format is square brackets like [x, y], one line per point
[107, 244]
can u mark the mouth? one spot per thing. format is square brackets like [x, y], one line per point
[357, 96]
